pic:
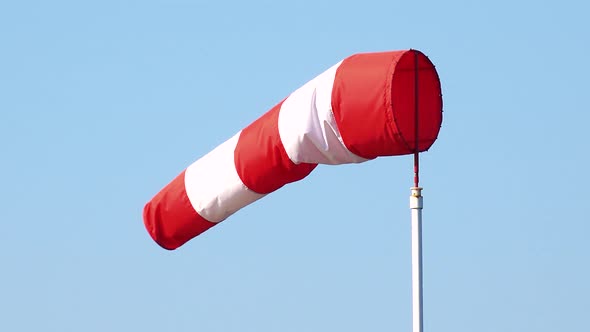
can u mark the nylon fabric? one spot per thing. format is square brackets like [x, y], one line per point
[170, 218]
[260, 158]
[361, 108]
[307, 126]
[360, 104]
[403, 102]
[213, 186]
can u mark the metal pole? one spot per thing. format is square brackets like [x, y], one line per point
[416, 208]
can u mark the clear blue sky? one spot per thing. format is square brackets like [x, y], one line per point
[103, 102]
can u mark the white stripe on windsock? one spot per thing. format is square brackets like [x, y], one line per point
[307, 126]
[213, 186]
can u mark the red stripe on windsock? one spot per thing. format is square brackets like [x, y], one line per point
[170, 218]
[373, 103]
[260, 157]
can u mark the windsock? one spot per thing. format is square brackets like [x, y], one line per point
[367, 105]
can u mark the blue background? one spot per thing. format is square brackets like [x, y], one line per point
[104, 102]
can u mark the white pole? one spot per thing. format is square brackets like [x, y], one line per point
[416, 208]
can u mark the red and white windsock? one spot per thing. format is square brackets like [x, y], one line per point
[361, 108]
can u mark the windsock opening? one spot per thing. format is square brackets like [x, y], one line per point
[374, 98]
[415, 80]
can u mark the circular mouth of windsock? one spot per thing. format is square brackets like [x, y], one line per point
[416, 102]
